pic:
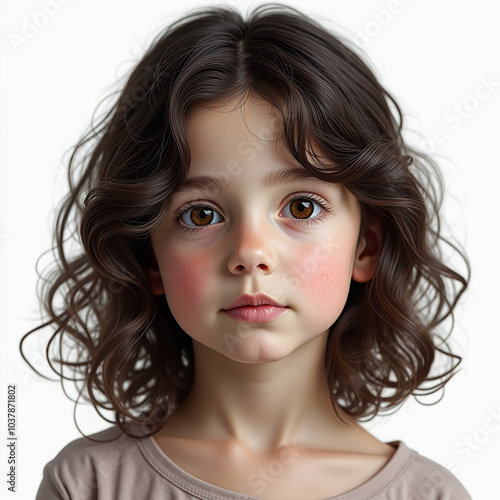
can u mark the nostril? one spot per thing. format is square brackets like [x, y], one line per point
[250, 261]
[240, 268]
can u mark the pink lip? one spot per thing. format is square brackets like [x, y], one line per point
[254, 309]
[253, 300]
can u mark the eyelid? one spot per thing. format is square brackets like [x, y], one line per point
[177, 217]
[325, 207]
[196, 203]
[319, 200]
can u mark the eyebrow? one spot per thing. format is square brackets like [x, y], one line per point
[271, 179]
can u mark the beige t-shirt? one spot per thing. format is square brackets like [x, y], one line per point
[136, 469]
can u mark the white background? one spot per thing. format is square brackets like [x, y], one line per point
[434, 56]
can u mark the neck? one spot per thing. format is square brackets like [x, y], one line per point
[261, 406]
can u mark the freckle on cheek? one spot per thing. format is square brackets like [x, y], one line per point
[321, 287]
[328, 285]
[187, 280]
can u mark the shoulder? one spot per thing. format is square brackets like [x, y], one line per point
[86, 464]
[421, 478]
[101, 450]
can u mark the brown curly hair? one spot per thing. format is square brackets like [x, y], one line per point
[129, 355]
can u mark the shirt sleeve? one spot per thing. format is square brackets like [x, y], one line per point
[434, 482]
[85, 469]
[51, 487]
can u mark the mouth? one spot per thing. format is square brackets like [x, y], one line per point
[254, 309]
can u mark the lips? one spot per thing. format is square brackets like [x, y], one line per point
[254, 309]
[253, 300]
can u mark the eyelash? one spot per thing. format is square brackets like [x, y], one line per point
[297, 196]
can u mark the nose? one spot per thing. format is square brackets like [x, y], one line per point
[252, 252]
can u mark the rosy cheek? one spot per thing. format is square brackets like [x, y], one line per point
[328, 289]
[324, 278]
[187, 280]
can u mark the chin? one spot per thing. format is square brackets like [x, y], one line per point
[260, 348]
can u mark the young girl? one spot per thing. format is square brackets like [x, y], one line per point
[260, 270]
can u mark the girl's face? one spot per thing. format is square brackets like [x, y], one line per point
[254, 255]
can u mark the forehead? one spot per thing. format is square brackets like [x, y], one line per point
[238, 145]
[231, 135]
[252, 116]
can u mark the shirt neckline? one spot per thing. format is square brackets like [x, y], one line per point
[167, 468]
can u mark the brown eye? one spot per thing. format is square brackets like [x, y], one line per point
[199, 216]
[301, 209]
[202, 216]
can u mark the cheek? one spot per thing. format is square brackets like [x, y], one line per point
[329, 291]
[325, 277]
[329, 287]
[186, 279]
